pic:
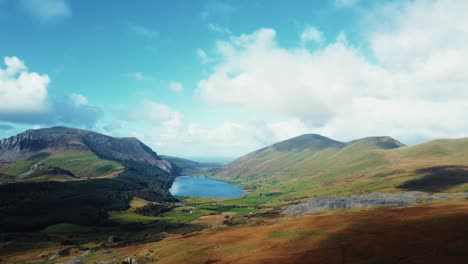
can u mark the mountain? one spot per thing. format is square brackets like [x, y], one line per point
[309, 142]
[311, 165]
[77, 153]
[59, 174]
[278, 157]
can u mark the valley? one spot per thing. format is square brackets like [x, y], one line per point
[127, 211]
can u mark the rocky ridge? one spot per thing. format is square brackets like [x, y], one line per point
[49, 140]
[321, 203]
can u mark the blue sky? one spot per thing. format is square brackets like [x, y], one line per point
[222, 78]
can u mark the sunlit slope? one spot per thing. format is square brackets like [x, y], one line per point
[61, 166]
[67, 154]
[360, 166]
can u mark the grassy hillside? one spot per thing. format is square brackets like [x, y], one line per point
[73, 176]
[82, 164]
[361, 166]
[420, 234]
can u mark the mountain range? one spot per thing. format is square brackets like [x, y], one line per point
[311, 164]
[80, 194]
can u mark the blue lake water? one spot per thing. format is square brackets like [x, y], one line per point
[203, 187]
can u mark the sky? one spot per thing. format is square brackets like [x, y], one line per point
[223, 78]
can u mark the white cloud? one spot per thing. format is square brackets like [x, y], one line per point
[24, 99]
[162, 114]
[20, 89]
[47, 10]
[311, 34]
[78, 99]
[176, 87]
[218, 29]
[416, 89]
[171, 133]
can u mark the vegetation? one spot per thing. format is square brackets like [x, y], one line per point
[125, 217]
[107, 215]
[82, 164]
[363, 166]
[32, 206]
[67, 228]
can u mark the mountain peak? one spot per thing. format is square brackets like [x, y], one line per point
[312, 142]
[60, 139]
[384, 142]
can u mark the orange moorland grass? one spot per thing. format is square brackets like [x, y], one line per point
[420, 234]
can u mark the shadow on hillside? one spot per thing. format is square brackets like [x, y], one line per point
[436, 179]
[415, 235]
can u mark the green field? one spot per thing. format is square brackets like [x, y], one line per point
[125, 217]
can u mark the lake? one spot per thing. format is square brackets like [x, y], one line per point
[204, 187]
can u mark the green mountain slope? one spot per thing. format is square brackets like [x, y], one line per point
[66, 175]
[359, 166]
[72, 154]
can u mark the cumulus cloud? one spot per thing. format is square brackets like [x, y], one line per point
[24, 99]
[176, 87]
[21, 90]
[78, 99]
[414, 87]
[47, 10]
[311, 34]
[171, 133]
[156, 114]
[71, 110]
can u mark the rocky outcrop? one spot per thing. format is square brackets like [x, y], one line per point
[32, 142]
[319, 204]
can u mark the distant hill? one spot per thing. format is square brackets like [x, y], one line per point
[311, 165]
[64, 153]
[309, 142]
[194, 168]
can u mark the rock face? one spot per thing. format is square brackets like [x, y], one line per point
[319, 204]
[32, 142]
